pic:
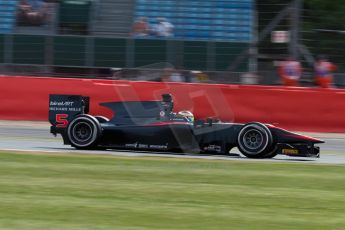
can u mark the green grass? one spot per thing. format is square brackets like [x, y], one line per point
[47, 191]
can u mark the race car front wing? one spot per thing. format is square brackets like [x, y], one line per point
[299, 150]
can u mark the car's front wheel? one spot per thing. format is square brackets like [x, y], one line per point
[255, 141]
[272, 152]
[84, 132]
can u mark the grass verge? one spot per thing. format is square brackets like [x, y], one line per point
[47, 191]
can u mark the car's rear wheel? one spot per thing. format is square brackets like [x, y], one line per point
[84, 132]
[102, 119]
[255, 140]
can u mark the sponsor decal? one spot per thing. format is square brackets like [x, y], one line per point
[58, 109]
[65, 106]
[143, 146]
[137, 145]
[290, 151]
[65, 109]
[213, 148]
[132, 145]
[61, 103]
[159, 146]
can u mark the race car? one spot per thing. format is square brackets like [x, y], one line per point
[154, 126]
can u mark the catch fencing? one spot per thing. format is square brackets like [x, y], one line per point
[225, 40]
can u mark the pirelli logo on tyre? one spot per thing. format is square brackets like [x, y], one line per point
[290, 151]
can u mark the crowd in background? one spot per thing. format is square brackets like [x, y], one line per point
[36, 13]
[32, 13]
[291, 70]
[162, 28]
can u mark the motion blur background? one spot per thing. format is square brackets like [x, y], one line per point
[217, 41]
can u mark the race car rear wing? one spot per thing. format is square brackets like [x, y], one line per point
[63, 108]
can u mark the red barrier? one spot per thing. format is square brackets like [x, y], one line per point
[307, 109]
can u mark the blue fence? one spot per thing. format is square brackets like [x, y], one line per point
[203, 19]
[7, 15]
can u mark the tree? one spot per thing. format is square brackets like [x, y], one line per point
[316, 14]
[325, 15]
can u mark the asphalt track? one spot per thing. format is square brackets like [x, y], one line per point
[35, 137]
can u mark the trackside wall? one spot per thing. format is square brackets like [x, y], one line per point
[304, 109]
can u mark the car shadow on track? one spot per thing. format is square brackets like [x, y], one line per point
[171, 154]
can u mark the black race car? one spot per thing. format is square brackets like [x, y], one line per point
[153, 126]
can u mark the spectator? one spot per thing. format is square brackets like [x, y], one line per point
[36, 4]
[290, 72]
[187, 75]
[163, 28]
[323, 72]
[32, 12]
[165, 77]
[249, 78]
[140, 27]
[176, 76]
[199, 76]
[171, 75]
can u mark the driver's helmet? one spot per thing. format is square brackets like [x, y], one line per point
[187, 115]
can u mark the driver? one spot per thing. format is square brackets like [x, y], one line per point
[188, 115]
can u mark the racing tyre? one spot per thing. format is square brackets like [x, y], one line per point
[255, 141]
[101, 119]
[272, 153]
[84, 132]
